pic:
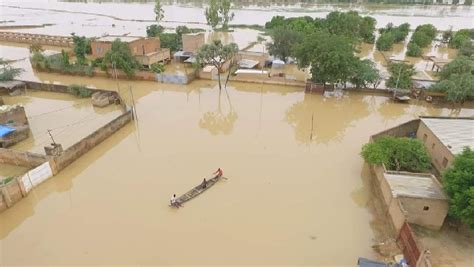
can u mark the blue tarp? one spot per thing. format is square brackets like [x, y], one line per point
[5, 130]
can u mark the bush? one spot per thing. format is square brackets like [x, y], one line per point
[467, 48]
[460, 37]
[385, 41]
[154, 30]
[397, 153]
[79, 90]
[459, 185]
[7, 72]
[157, 68]
[413, 50]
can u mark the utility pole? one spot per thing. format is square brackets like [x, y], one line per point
[50, 135]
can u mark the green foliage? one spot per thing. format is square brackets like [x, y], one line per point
[154, 30]
[400, 75]
[82, 46]
[157, 68]
[284, 40]
[65, 58]
[460, 65]
[365, 74]
[171, 41]
[121, 56]
[385, 41]
[458, 87]
[457, 80]
[422, 37]
[467, 48]
[460, 37]
[390, 35]
[217, 54]
[7, 72]
[447, 36]
[218, 12]
[331, 61]
[350, 24]
[212, 14]
[159, 12]
[413, 50]
[79, 90]
[397, 153]
[6, 180]
[459, 185]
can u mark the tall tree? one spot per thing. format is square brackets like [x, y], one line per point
[82, 46]
[365, 74]
[120, 56]
[159, 12]
[332, 61]
[400, 75]
[217, 55]
[218, 12]
[284, 40]
[459, 185]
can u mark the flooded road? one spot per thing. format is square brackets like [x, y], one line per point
[291, 198]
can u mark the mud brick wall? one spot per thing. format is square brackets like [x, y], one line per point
[17, 115]
[21, 158]
[10, 194]
[89, 142]
[402, 130]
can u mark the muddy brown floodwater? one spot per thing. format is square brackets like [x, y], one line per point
[291, 198]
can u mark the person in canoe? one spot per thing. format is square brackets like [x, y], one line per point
[204, 183]
[219, 172]
[174, 201]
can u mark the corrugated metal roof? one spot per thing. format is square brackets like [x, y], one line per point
[412, 185]
[454, 133]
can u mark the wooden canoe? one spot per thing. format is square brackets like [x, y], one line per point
[196, 191]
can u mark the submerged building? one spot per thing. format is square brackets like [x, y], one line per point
[147, 51]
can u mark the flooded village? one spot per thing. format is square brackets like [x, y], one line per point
[187, 132]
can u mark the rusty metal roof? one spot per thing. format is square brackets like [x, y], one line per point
[454, 133]
[414, 185]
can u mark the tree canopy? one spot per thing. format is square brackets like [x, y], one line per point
[121, 56]
[460, 37]
[82, 46]
[400, 75]
[397, 153]
[421, 38]
[390, 35]
[217, 54]
[218, 12]
[284, 40]
[459, 185]
[457, 80]
[159, 12]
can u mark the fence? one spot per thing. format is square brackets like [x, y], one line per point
[407, 242]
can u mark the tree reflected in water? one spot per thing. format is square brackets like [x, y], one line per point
[321, 120]
[217, 122]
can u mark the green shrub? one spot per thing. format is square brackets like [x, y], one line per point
[385, 41]
[157, 68]
[459, 185]
[413, 50]
[397, 153]
[79, 90]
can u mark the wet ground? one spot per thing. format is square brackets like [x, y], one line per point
[69, 118]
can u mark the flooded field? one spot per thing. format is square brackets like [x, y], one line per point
[292, 197]
[7, 170]
[69, 118]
